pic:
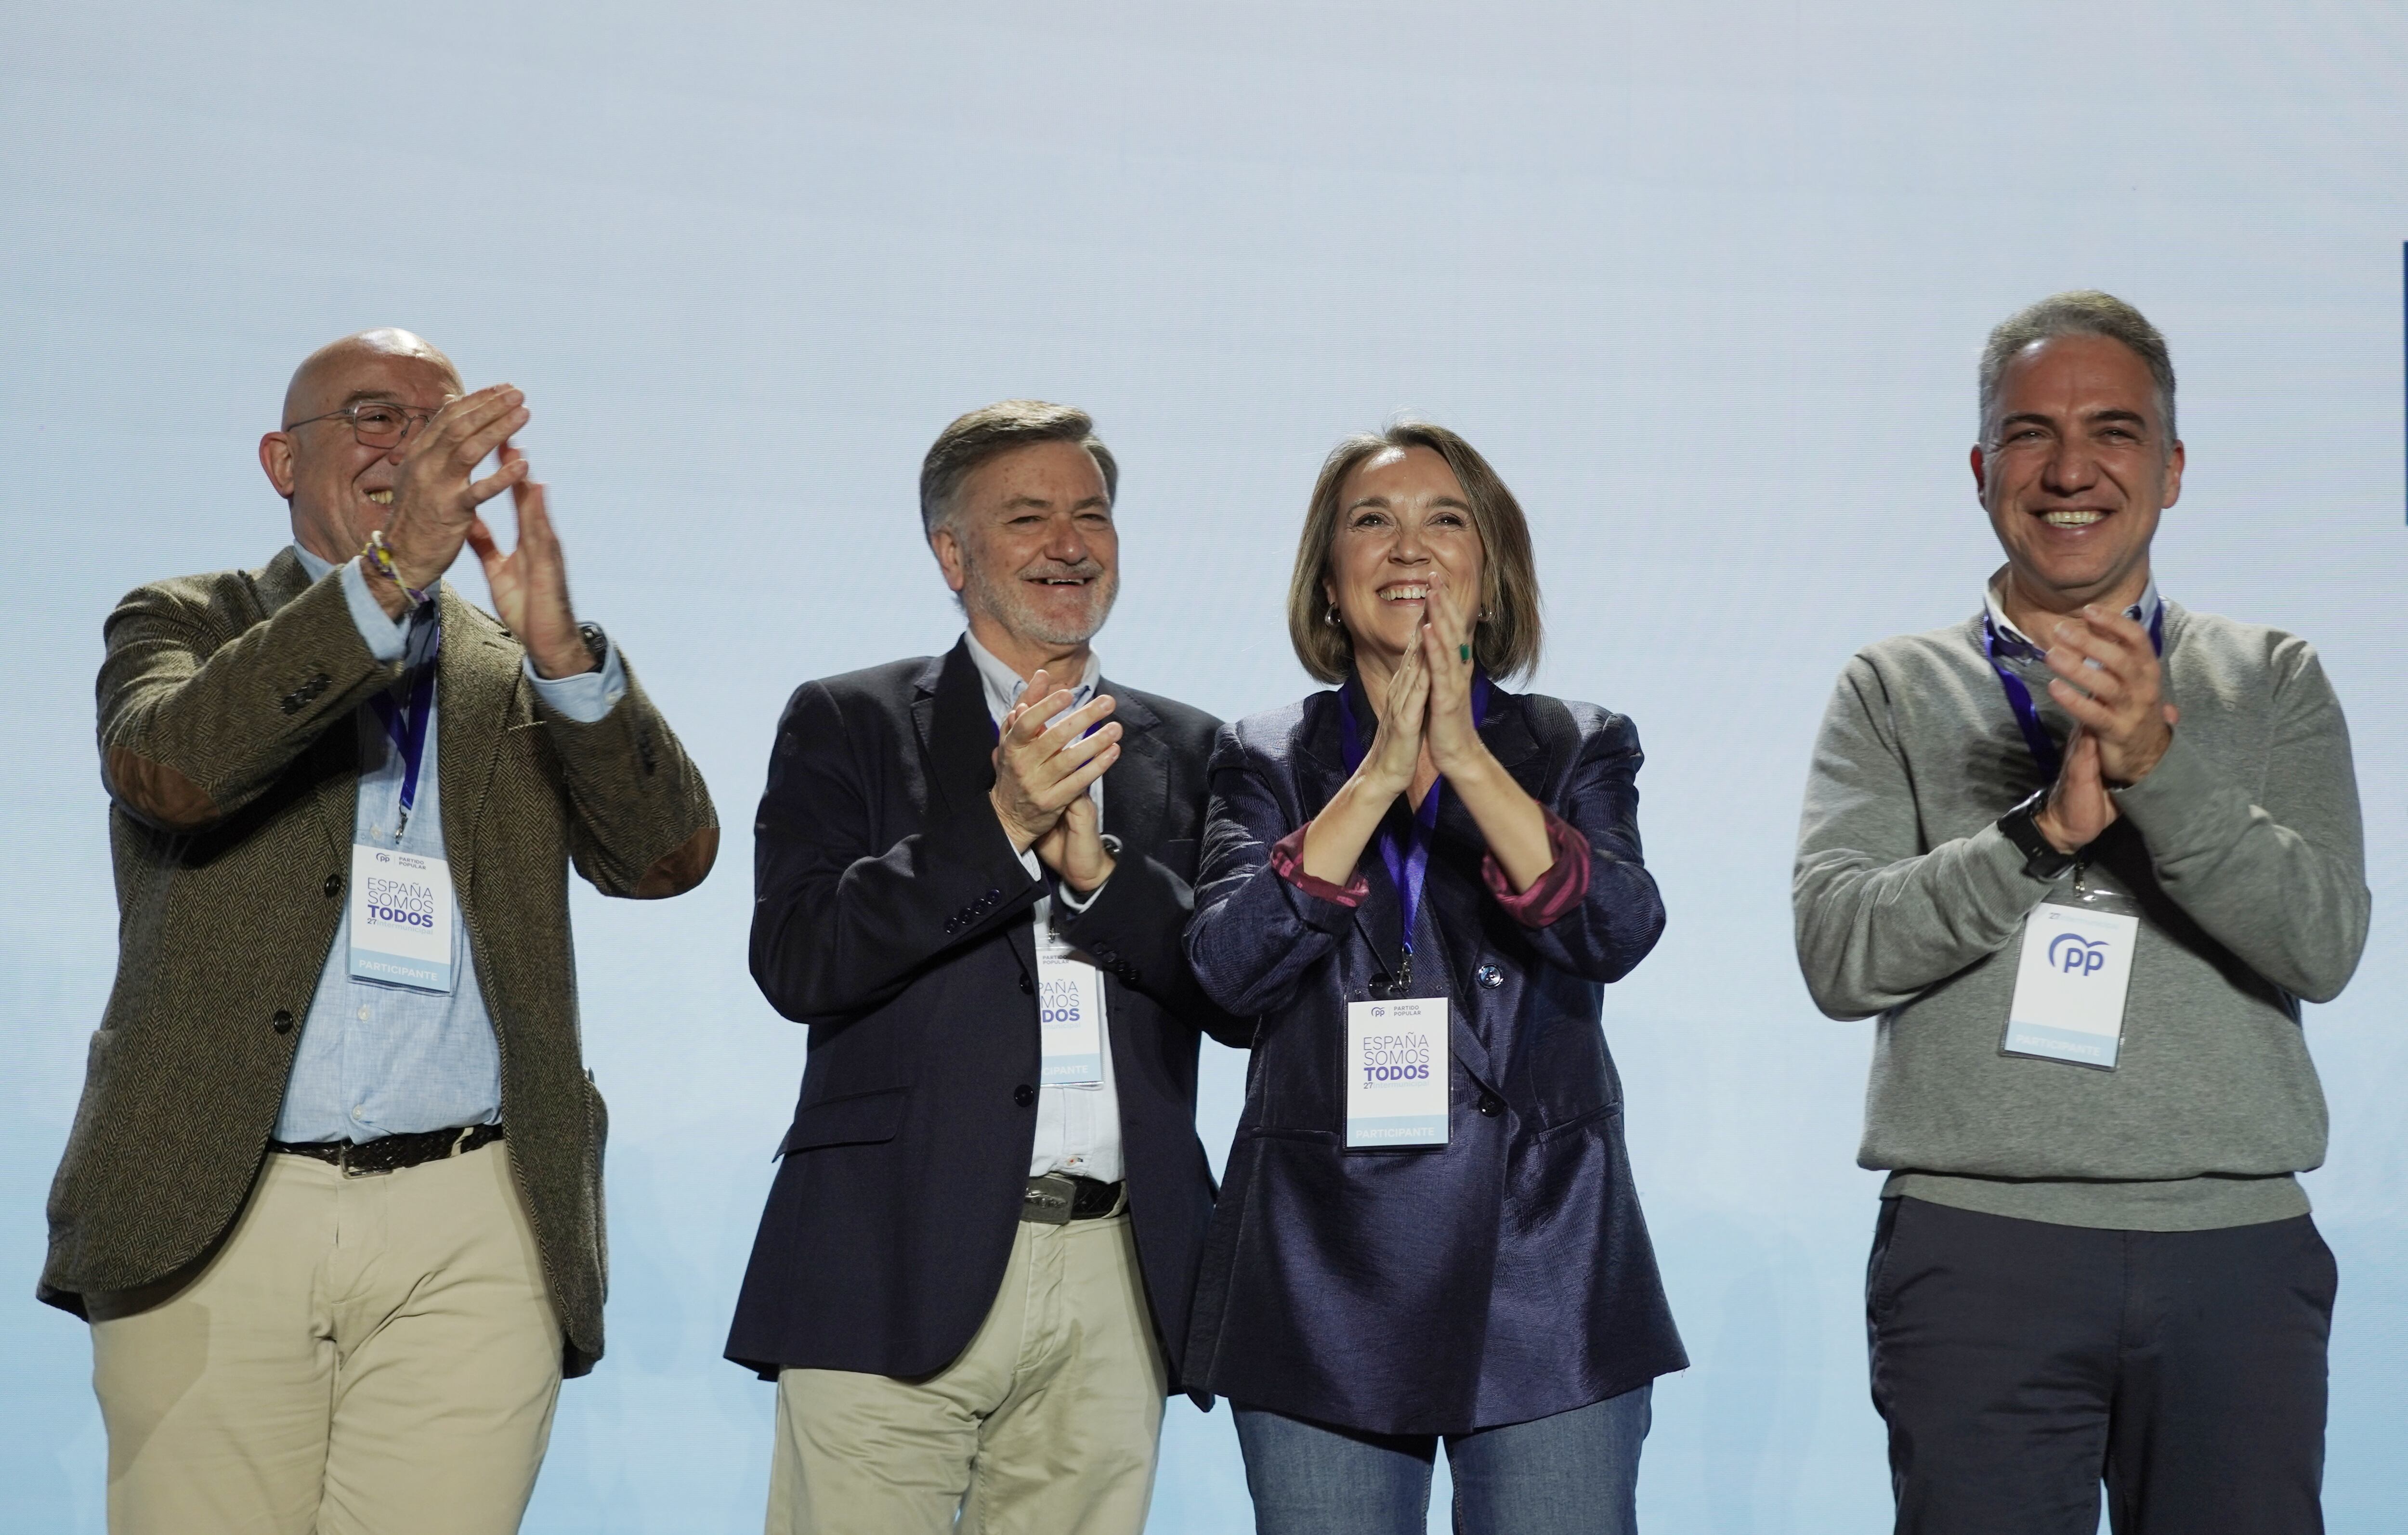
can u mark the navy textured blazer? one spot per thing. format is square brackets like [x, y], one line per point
[1508, 1275]
[892, 916]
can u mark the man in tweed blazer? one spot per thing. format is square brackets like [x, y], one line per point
[339, 1238]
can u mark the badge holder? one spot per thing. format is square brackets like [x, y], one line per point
[402, 904]
[1070, 1015]
[2073, 977]
[1397, 1073]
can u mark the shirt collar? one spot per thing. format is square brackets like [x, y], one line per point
[2015, 642]
[420, 638]
[1003, 686]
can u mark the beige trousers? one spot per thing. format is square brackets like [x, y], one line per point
[362, 1356]
[1047, 1424]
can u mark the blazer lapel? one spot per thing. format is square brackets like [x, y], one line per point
[1459, 902]
[476, 681]
[957, 733]
[337, 800]
[958, 738]
[1510, 738]
[1137, 788]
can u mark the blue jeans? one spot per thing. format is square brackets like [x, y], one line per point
[1574, 1473]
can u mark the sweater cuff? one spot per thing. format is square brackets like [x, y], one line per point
[1552, 895]
[1287, 862]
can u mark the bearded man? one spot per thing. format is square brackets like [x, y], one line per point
[973, 1280]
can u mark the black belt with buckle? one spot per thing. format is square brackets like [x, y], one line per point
[391, 1153]
[1058, 1198]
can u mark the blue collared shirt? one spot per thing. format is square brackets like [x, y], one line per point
[376, 1060]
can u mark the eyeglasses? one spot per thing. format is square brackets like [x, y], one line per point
[375, 424]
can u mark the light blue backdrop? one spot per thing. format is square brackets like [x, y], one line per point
[1705, 282]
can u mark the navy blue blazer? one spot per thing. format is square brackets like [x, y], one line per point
[892, 916]
[1508, 1275]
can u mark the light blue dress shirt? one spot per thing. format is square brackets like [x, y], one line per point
[376, 1060]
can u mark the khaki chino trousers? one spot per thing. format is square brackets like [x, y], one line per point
[1046, 1423]
[370, 1356]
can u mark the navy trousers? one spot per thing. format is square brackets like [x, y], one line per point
[2021, 1363]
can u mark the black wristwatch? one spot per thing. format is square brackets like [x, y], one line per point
[597, 645]
[2042, 860]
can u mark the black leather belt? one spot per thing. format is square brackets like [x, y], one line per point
[391, 1153]
[1058, 1198]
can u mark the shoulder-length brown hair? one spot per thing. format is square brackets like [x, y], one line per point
[1505, 640]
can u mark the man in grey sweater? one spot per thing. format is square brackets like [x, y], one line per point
[2082, 856]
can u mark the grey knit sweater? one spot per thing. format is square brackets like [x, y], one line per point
[2242, 850]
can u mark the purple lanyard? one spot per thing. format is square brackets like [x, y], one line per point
[2020, 699]
[409, 729]
[1408, 866]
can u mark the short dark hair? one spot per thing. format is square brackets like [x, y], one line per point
[1505, 639]
[2083, 312]
[995, 429]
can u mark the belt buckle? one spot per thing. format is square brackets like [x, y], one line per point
[1049, 1199]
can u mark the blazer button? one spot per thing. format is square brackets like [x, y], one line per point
[1490, 1106]
[334, 885]
[1025, 989]
[1024, 1095]
[1489, 977]
[282, 1022]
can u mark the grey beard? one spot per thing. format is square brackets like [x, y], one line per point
[1004, 601]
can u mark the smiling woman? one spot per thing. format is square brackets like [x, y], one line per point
[1411, 1050]
[1506, 637]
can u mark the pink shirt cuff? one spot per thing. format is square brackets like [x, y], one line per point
[1287, 862]
[1552, 895]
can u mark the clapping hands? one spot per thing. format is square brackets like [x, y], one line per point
[1043, 775]
[2110, 681]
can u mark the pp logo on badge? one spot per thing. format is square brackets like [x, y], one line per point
[2074, 954]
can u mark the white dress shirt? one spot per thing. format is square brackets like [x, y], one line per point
[1078, 1129]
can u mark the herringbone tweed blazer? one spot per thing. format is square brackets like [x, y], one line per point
[225, 742]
